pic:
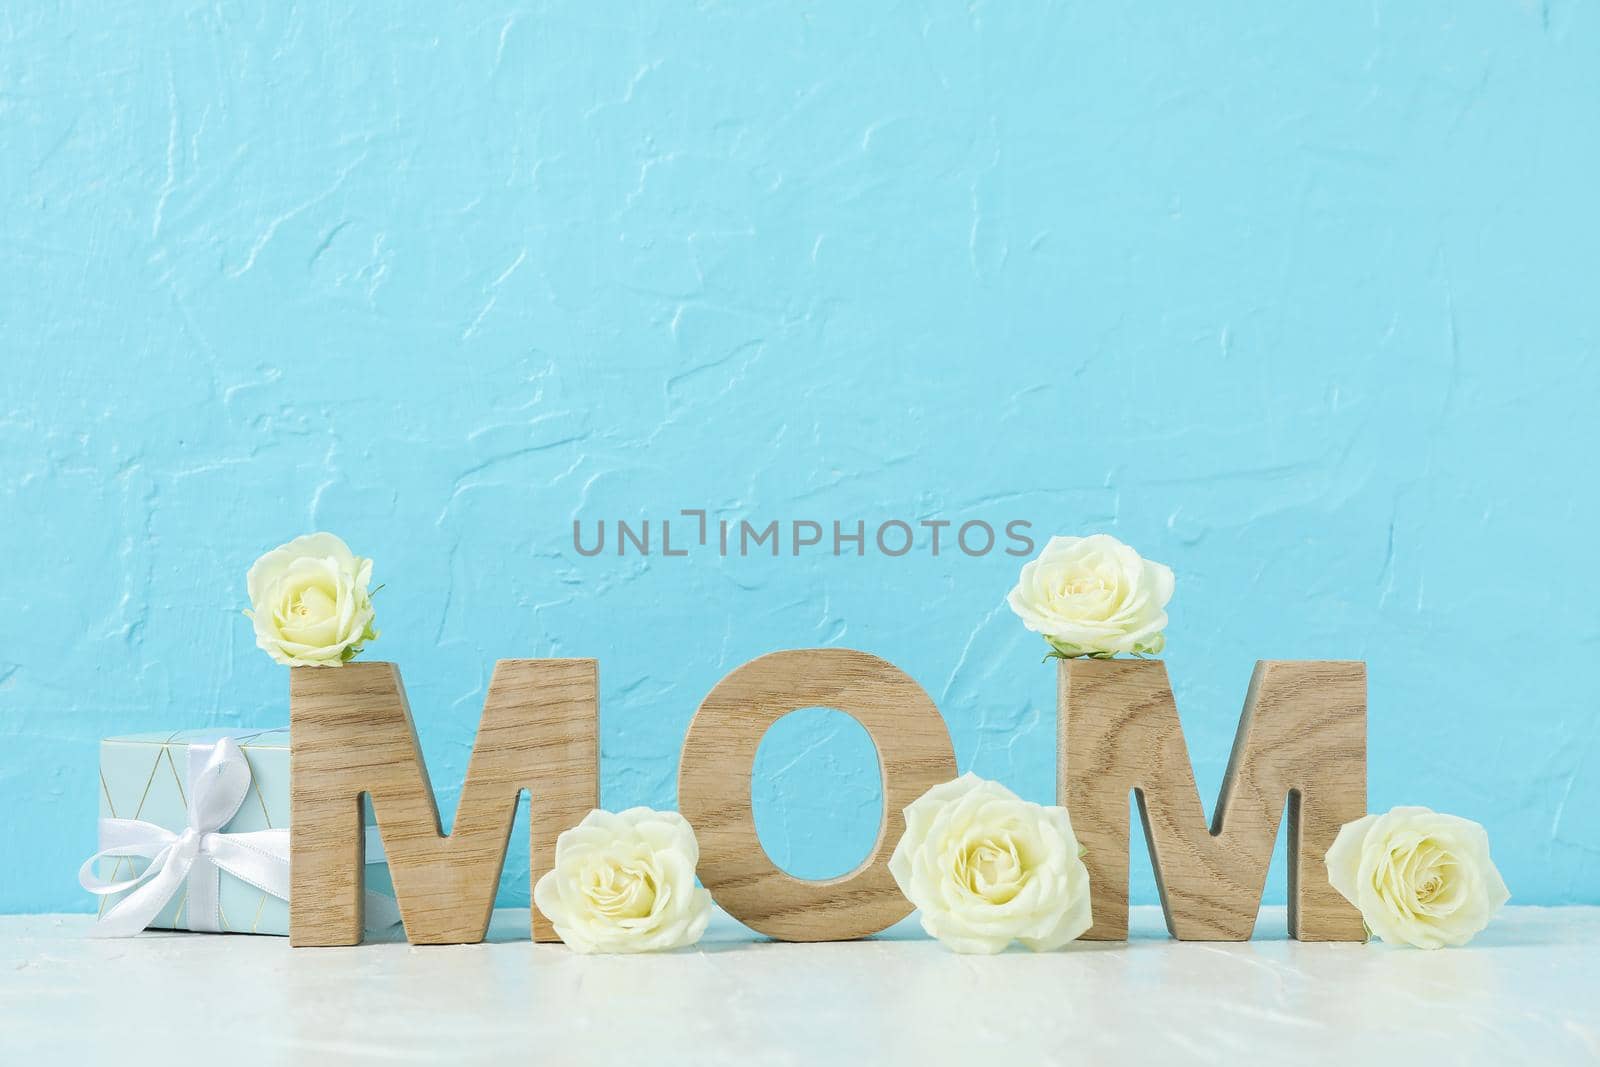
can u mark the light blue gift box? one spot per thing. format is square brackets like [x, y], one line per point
[144, 776]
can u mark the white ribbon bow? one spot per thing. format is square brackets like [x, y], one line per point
[219, 779]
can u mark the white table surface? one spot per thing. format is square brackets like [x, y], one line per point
[1528, 991]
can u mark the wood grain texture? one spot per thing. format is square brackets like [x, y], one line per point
[351, 732]
[914, 754]
[1302, 736]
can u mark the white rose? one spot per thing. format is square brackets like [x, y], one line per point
[625, 883]
[1094, 596]
[310, 603]
[1417, 877]
[985, 867]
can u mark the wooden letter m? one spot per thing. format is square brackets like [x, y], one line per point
[351, 733]
[1302, 738]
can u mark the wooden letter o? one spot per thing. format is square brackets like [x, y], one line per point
[719, 752]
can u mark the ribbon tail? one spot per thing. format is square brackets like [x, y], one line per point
[258, 857]
[140, 907]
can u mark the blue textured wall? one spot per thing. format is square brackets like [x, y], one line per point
[1301, 302]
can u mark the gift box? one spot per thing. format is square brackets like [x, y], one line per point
[150, 785]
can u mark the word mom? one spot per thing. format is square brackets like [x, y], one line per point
[1302, 738]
